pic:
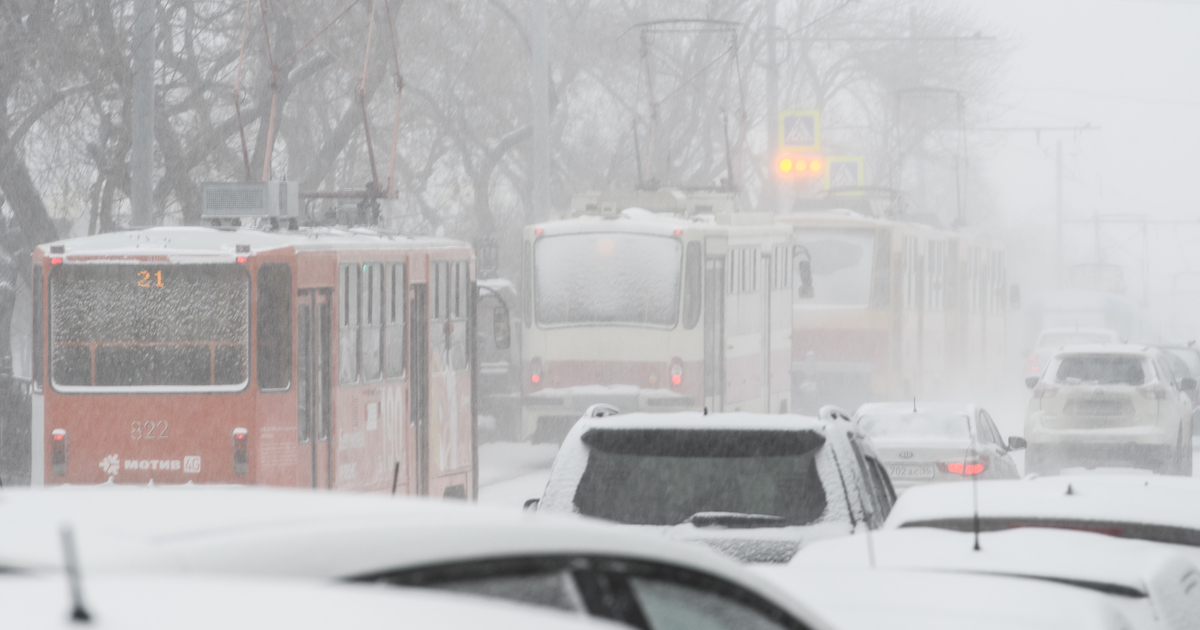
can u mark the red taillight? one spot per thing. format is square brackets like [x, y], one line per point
[537, 231]
[58, 452]
[535, 370]
[1033, 364]
[972, 466]
[242, 260]
[241, 452]
[55, 261]
[678, 232]
[676, 371]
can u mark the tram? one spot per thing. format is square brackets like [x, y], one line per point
[308, 357]
[885, 309]
[654, 301]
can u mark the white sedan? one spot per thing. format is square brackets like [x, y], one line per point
[571, 564]
[936, 442]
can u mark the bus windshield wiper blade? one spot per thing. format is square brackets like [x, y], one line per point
[736, 520]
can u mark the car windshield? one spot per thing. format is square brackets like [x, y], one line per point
[1100, 369]
[1183, 362]
[607, 278]
[920, 426]
[1070, 338]
[664, 477]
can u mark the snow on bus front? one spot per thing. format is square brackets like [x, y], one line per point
[143, 358]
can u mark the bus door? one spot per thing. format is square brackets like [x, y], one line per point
[314, 324]
[450, 359]
[418, 395]
[714, 333]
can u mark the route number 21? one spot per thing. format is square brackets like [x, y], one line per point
[147, 279]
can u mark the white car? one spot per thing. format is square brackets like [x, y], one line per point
[896, 599]
[753, 486]
[1109, 406]
[1153, 586]
[153, 602]
[936, 442]
[1051, 339]
[1163, 510]
[572, 564]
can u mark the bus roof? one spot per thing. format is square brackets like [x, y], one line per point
[203, 241]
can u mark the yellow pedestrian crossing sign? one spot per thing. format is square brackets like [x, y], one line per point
[800, 130]
[844, 173]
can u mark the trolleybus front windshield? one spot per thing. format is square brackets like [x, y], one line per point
[150, 327]
[841, 262]
[607, 278]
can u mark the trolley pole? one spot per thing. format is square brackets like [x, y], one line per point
[540, 114]
[141, 160]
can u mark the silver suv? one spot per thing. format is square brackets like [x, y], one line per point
[1109, 406]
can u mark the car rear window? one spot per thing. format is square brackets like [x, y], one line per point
[916, 426]
[1100, 369]
[663, 477]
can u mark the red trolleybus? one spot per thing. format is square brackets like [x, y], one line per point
[316, 357]
[654, 301]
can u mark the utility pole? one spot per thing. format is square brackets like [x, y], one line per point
[141, 159]
[1058, 212]
[771, 188]
[540, 115]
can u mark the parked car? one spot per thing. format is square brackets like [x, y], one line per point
[1184, 362]
[937, 442]
[1109, 406]
[869, 599]
[1152, 585]
[572, 564]
[1051, 339]
[753, 486]
[145, 602]
[1153, 508]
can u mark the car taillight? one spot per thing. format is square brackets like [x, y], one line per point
[535, 370]
[676, 371]
[58, 452]
[1153, 390]
[1044, 390]
[1033, 364]
[967, 467]
[241, 451]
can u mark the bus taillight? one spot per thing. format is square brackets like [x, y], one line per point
[676, 371]
[535, 370]
[58, 452]
[241, 454]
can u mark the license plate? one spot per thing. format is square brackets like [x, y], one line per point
[911, 471]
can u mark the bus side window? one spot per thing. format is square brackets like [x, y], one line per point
[36, 295]
[692, 293]
[393, 330]
[274, 329]
[372, 319]
[349, 281]
[802, 262]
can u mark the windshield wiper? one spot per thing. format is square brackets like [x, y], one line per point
[736, 520]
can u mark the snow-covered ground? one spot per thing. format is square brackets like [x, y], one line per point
[511, 473]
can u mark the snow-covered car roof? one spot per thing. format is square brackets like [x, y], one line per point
[301, 533]
[1158, 508]
[683, 420]
[965, 409]
[868, 599]
[179, 241]
[137, 602]
[1127, 569]
[1106, 348]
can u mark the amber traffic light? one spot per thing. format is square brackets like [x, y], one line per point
[799, 166]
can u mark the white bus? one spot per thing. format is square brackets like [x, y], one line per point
[654, 301]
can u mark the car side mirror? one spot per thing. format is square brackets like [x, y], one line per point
[531, 505]
[1187, 384]
[500, 329]
[1032, 381]
[1016, 443]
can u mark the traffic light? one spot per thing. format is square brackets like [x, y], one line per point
[799, 167]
